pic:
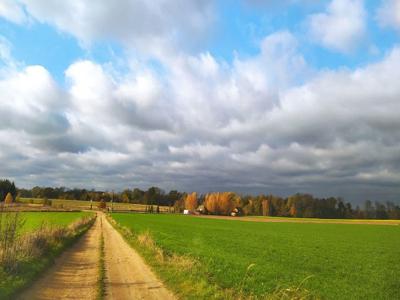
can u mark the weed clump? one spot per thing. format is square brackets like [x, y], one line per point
[10, 225]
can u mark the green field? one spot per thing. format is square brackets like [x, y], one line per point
[33, 220]
[345, 261]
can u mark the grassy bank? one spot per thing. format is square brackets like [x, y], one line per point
[35, 245]
[209, 258]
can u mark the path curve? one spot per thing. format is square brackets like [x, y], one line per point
[128, 276]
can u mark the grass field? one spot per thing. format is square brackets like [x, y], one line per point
[33, 220]
[341, 261]
[79, 204]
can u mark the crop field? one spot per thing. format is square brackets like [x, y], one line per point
[331, 261]
[307, 220]
[79, 204]
[33, 220]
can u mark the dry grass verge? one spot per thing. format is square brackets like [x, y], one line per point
[24, 256]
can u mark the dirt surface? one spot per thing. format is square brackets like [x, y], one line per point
[273, 220]
[74, 274]
[128, 277]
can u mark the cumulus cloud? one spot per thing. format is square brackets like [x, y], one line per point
[149, 26]
[342, 27]
[31, 101]
[277, 3]
[388, 14]
[206, 124]
[12, 11]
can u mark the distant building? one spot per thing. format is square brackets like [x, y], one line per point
[237, 211]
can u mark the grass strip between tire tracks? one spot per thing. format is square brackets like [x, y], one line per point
[102, 268]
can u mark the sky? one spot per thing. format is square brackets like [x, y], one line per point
[248, 96]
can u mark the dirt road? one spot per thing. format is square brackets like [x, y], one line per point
[75, 274]
[128, 277]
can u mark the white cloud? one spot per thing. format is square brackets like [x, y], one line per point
[152, 27]
[30, 101]
[5, 54]
[12, 11]
[206, 124]
[388, 14]
[342, 27]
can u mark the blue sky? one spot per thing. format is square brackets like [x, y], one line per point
[238, 30]
[250, 95]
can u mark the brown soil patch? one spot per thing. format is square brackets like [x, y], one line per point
[272, 220]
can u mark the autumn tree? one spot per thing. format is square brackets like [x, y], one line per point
[191, 201]
[221, 203]
[266, 204]
[210, 203]
[9, 199]
[226, 203]
[6, 187]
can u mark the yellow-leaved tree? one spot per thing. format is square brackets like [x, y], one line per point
[191, 201]
[221, 203]
[9, 199]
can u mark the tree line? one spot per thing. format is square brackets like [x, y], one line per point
[151, 196]
[297, 205]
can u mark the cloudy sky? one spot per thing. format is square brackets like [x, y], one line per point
[247, 95]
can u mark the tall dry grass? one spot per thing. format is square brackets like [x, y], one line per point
[16, 247]
[10, 227]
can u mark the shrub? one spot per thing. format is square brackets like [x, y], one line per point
[47, 202]
[102, 204]
[179, 206]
